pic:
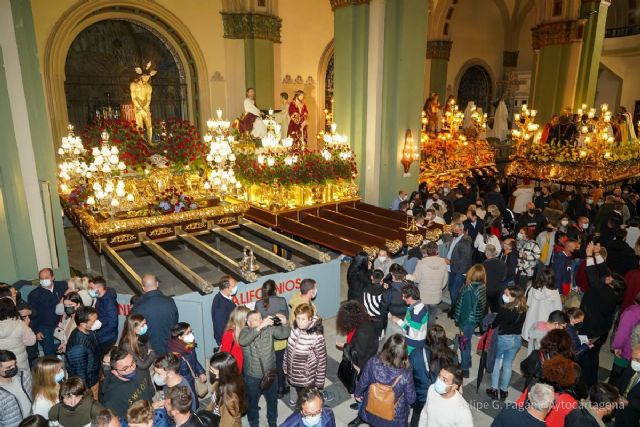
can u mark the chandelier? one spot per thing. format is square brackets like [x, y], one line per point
[72, 167]
[108, 187]
[221, 179]
[336, 144]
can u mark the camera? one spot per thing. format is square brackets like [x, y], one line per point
[276, 321]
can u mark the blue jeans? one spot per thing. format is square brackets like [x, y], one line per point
[49, 347]
[252, 387]
[508, 346]
[456, 280]
[465, 352]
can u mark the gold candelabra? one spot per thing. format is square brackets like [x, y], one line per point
[72, 168]
[527, 129]
[597, 133]
[220, 177]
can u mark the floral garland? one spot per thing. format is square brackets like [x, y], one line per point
[569, 153]
[310, 168]
[172, 200]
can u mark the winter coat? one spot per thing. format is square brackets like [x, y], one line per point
[621, 258]
[82, 358]
[43, 302]
[221, 309]
[528, 257]
[628, 320]
[562, 269]
[598, 303]
[364, 343]
[540, 303]
[161, 314]
[357, 281]
[10, 413]
[431, 275]
[80, 416]
[276, 305]
[229, 345]
[190, 367]
[327, 419]
[460, 261]
[107, 308]
[15, 336]
[632, 279]
[471, 305]
[392, 301]
[377, 372]
[522, 196]
[305, 358]
[257, 346]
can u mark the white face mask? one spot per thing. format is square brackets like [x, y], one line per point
[507, 299]
[234, 291]
[45, 282]
[159, 379]
[635, 365]
[564, 223]
[382, 258]
[97, 325]
[311, 421]
[188, 339]
[585, 225]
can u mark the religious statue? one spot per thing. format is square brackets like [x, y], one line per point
[298, 125]
[141, 98]
[282, 117]
[251, 121]
[432, 111]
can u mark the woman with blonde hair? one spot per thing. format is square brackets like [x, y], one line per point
[48, 373]
[237, 321]
[135, 340]
[508, 324]
[469, 311]
[80, 284]
[305, 358]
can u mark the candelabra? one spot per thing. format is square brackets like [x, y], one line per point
[452, 118]
[221, 179]
[597, 133]
[108, 188]
[72, 168]
[336, 144]
[527, 129]
[273, 145]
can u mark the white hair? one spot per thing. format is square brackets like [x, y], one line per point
[490, 251]
[541, 397]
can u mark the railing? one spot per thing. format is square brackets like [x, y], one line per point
[630, 30]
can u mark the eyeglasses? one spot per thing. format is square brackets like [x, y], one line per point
[306, 414]
[126, 368]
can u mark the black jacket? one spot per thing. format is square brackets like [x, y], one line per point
[118, 395]
[82, 358]
[44, 302]
[357, 281]
[221, 309]
[392, 301]
[473, 231]
[621, 258]
[630, 415]
[461, 205]
[493, 198]
[161, 314]
[580, 417]
[364, 343]
[496, 270]
[599, 304]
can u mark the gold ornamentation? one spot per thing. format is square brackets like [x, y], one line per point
[122, 238]
[226, 220]
[371, 251]
[337, 4]
[196, 226]
[251, 26]
[559, 32]
[161, 231]
[414, 240]
[393, 246]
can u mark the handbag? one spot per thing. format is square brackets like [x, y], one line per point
[202, 389]
[267, 377]
[382, 400]
[347, 373]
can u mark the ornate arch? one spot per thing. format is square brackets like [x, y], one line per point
[443, 16]
[148, 13]
[326, 62]
[471, 63]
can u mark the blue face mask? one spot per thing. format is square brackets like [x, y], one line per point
[59, 377]
[129, 376]
[143, 330]
[441, 387]
[311, 421]
[92, 293]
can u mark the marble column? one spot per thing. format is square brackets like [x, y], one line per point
[31, 229]
[438, 51]
[259, 32]
[556, 65]
[595, 14]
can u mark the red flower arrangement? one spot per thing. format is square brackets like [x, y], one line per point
[131, 143]
[180, 143]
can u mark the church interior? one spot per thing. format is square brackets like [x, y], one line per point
[278, 140]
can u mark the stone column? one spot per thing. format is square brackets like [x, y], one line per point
[259, 32]
[31, 231]
[351, 41]
[595, 14]
[556, 65]
[438, 51]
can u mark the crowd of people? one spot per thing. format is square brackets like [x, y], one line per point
[546, 268]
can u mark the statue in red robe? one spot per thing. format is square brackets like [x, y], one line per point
[298, 114]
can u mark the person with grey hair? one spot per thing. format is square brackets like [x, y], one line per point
[459, 250]
[159, 310]
[540, 400]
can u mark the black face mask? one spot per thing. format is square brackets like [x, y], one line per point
[212, 377]
[69, 311]
[10, 373]
[532, 211]
[143, 339]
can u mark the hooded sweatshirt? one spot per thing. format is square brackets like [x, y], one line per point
[536, 333]
[540, 303]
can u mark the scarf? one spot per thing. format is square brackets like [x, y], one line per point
[179, 347]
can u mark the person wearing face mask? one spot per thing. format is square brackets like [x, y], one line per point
[76, 406]
[576, 317]
[305, 358]
[44, 299]
[160, 312]
[183, 344]
[563, 266]
[70, 303]
[395, 205]
[604, 399]
[135, 339]
[308, 292]
[622, 341]
[579, 230]
[166, 374]
[563, 225]
[222, 306]
[629, 386]
[107, 307]
[528, 256]
[47, 376]
[227, 390]
[382, 262]
[445, 405]
[310, 411]
[540, 401]
[15, 391]
[15, 334]
[125, 383]
[82, 358]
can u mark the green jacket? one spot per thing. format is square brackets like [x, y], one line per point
[471, 305]
[258, 346]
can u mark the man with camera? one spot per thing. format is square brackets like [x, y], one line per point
[256, 340]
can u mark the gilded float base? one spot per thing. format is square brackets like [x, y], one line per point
[574, 173]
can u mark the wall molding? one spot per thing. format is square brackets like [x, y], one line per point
[439, 49]
[251, 26]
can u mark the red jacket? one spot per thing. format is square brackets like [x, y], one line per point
[229, 345]
[564, 404]
[632, 279]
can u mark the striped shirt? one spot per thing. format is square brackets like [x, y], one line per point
[371, 299]
[415, 325]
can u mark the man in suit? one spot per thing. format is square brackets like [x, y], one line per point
[459, 260]
[44, 299]
[629, 385]
[473, 224]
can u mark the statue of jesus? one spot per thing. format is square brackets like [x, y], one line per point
[141, 98]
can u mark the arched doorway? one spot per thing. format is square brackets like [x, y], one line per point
[100, 66]
[475, 85]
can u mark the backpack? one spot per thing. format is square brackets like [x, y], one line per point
[382, 400]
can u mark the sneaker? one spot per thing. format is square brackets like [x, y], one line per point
[328, 396]
[292, 397]
[354, 406]
[355, 422]
[492, 393]
[503, 395]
